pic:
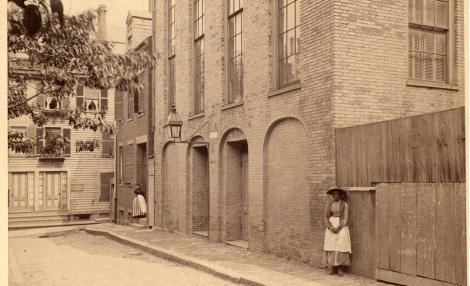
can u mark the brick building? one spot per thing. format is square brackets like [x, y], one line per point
[53, 189]
[134, 116]
[261, 87]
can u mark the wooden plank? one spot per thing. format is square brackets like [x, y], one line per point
[426, 230]
[382, 207]
[404, 279]
[408, 231]
[395, 227]
[435, 149]
[417, 146]
[383, 165]
[461, 239]
[445, 152]
[445, 233]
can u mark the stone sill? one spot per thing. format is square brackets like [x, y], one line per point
[195, 116]
[232, 105]
[419, 83]
[293, 87]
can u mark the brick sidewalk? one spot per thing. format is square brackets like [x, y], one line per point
[225, 261]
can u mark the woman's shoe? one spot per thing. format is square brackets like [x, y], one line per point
[340, 271]
[331, 270]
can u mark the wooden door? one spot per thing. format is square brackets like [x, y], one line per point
[18, 189]
[421, 233]
[244, 186]
[55, 190]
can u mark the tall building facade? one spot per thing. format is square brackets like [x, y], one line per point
[261, 87]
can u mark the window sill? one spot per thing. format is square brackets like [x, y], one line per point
[232, 105]
[51, 158]
[419, 83]
[195, 116]
[286, 89]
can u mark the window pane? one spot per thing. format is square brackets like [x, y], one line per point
[429, 12]
[440, 43]
[297, 36]
[282, 46]
[440, 64]
[292, 68]
[442, 14]
[428, 67]
[238, 29]
[291, 16]
[428, 41]
[414, 40]
[283, 72]
[291, 42]
[417, 11]
[282, 3]
[238, 47]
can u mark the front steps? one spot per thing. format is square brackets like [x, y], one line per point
[46, 219]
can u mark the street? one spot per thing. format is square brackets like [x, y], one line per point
[83, 259]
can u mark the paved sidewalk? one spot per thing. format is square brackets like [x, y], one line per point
[225, 261]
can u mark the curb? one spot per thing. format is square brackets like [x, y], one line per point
[195, 263]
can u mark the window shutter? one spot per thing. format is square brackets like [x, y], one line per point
[104, 99]
[40, 101]
[107, 146]
[79, 96]
[31, 134]
[39, 141]
[105, 182]
[118, 105]
[136, 101]
[130, 104]
[141, 101]
[66, 134]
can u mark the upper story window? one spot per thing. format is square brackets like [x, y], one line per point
[235, 58]
[47, 138]
[171, 53]
[288, 43]
[198, 101]
[92, 100]
[430, 49]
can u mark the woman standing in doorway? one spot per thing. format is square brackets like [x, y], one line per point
[337, 247]
[139, 207]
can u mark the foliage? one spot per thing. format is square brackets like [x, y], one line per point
[54, 145]
[18, 143]
[89, 145]
[60, 59]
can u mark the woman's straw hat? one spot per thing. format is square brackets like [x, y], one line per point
[337, 189]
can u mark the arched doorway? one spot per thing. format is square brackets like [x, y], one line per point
[234, 152]
[199, 187]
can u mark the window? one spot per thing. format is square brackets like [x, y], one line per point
[21, 137]
[288, 44]
[235, 63]
[92, 100]
[171, 53]
[429, 57]
[47, 134]
[198, 102]
[130, 103]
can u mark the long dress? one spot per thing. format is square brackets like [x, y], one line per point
[337, 247]
[139, 207]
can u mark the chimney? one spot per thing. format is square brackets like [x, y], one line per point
[102, 22]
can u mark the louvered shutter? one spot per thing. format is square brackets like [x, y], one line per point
[39, 141]
[130, 104]
[31, 134]
[107, 146]
[67, 135]
[141, 94]
[118, 105]
[105, 182]
[79, 99]
[104, 99]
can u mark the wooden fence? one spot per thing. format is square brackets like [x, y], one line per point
[421, 233]
[425, 148]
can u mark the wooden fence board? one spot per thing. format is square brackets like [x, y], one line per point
[425, 230]
[460, 247]
[408, 231]
[445, 233]
[422, 149]
[383, 226]
[395, 227]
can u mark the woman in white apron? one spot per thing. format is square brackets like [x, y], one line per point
[337, 247]
[139, 207]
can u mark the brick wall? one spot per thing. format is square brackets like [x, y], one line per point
[353, 70]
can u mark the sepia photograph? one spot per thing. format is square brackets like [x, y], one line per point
[234, 142]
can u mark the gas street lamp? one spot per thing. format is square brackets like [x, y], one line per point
[174, 124]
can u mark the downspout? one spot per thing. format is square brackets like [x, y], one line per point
[153, 4]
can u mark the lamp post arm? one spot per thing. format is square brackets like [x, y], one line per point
[195, 132]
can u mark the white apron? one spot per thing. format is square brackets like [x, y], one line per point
[341, 241]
